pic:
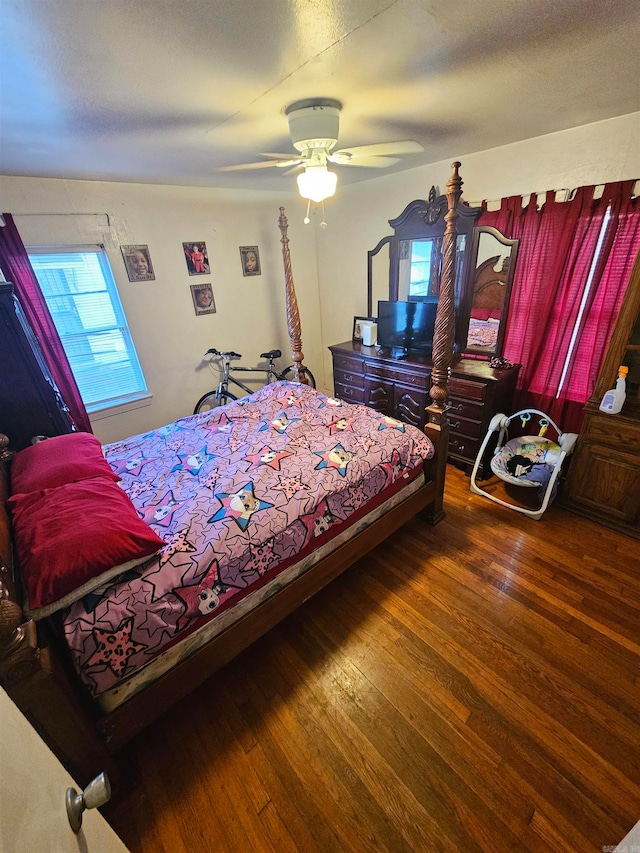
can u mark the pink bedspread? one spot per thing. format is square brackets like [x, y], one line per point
[483, 333]
[237, 494]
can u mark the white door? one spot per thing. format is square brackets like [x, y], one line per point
[33, 784]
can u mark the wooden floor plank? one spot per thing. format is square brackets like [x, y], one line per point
[470, 686]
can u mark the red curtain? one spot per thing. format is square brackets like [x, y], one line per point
[610, 278]
[17, 268]
[558, 244]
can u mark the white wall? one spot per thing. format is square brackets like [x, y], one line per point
[169, 338]
[359, 215]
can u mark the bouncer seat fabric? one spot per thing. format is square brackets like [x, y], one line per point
[528, 460]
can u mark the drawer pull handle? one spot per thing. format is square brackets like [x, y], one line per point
[348, 392]
[457, 408]
[455, 425]
[348, 377]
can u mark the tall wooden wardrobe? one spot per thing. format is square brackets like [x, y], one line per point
[30, 402]
[604, 478]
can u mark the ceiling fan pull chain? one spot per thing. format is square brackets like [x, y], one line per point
[306, 220]
[323, 224]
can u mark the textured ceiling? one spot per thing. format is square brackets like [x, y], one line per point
[166, 91]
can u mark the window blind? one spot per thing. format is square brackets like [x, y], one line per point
[81, 294]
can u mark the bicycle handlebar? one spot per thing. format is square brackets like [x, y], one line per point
[223, 354]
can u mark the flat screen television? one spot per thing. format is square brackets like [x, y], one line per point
[407, 326]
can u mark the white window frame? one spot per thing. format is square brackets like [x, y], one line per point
[115, 403]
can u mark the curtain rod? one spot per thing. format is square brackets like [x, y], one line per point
[597, 193]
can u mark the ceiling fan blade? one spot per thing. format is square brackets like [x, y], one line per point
[296, 166]
[266, 164]
[344, 158]
[279, 156]
[403, 146]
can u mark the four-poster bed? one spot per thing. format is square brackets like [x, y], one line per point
[85, 723]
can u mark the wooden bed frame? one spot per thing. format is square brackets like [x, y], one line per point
[37, 675]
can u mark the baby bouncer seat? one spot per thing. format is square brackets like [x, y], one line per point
[530, 461]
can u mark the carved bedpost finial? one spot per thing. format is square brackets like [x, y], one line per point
[293, 315]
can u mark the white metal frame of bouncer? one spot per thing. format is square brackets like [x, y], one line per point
[500, 424]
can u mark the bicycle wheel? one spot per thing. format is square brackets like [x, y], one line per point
[212, 400]
[288, 372]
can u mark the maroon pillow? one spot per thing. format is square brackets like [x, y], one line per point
[75, 538]
[58, 461]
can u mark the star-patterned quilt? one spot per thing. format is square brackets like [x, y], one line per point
[238, 494]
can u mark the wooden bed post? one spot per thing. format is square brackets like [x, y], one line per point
[293, 315]
[437, 427]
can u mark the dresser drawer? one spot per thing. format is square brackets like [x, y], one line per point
[399, 374]
[613, 431]
[348, 377]
[351, 365]
[466, 409]
[349, 393]
[462, 426]
[466, 389]
[464, 445]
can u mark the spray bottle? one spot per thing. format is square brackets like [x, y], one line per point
[614, 399]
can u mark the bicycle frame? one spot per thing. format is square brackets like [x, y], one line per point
[228, 377]
[222, 393]
[231, 378]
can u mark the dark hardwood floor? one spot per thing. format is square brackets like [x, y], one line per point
[469, 687]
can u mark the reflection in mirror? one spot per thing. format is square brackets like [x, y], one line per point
[419, 268]
[495, 262]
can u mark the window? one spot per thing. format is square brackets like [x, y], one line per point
[81, 294]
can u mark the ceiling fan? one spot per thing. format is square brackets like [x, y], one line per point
[313, 125]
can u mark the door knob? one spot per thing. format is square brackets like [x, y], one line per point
[97, 793]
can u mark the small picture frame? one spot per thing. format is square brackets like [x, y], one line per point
[356, 335]
[203, 302]
[250, 258]
[196, 257]
[137, 262]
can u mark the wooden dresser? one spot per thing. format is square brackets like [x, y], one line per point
[400, 388]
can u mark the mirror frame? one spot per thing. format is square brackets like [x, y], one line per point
[422, 220]
[370, 256]
[506, 297]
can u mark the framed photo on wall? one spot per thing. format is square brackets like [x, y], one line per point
[356, 335]
[250, 257]
[203, 302]
[195, 254]
[138, 263]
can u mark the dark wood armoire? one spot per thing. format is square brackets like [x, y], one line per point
[604, 476]
[30, 402]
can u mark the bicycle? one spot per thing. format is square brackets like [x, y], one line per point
[222, 395]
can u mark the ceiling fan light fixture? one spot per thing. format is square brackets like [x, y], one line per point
[317, 183]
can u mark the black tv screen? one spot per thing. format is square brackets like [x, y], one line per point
[407, 325]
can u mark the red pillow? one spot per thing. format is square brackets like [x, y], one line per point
[75, 538]
[485, 313]
[57, 461]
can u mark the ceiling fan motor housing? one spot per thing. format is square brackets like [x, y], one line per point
[314, 125]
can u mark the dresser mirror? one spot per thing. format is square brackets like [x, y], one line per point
[494, 260]
[406, 266]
